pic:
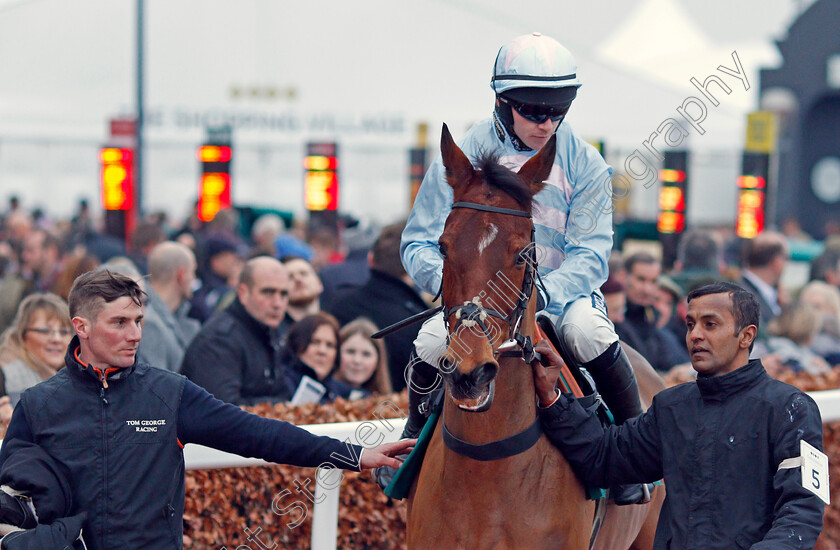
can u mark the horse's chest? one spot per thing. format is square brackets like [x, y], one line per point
[528, 501]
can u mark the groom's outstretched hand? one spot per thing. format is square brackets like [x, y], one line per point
[386, 455]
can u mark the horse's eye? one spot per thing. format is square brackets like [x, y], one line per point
[442, 248]
[520, 258]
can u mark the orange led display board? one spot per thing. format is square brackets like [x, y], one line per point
[672, 194]
[752, 194]
[321, 178]
[117, 178]
[214, 186]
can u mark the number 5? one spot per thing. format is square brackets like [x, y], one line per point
[816, 479]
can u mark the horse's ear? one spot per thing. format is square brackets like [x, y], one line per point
[459, 170]
[536, 170]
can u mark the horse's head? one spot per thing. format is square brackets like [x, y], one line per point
[487, 255]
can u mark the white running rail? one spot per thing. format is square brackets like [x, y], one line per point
[325, 514]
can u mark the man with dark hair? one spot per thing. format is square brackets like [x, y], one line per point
[639, 328]
[222, 264]
[118, 427]
[386, 298]
[765, 257]
[727, 445]
[238, 355]
[305, 288]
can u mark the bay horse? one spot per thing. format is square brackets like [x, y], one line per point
[490, 479]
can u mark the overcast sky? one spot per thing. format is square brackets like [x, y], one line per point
[68, 66]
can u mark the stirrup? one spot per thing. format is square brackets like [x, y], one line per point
[635, 493]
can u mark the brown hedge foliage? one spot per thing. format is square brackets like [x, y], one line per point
[226, 507]
[221, 504]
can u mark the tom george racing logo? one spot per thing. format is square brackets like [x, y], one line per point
[145, 425]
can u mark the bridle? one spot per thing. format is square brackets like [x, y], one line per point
[474, 313]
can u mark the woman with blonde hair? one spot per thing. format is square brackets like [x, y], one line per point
[363, 360]
[791, 333]
[825, 299]
[32, 349]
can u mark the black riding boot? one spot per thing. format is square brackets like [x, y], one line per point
[616, 383]
[423, 382]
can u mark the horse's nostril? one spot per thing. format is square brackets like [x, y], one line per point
[484, 373]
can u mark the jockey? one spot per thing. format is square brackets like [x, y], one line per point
[535, 82]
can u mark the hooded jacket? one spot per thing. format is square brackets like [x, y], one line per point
[572, 215]
[720, 444]
[120, 435]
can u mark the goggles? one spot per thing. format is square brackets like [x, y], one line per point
[538, 113]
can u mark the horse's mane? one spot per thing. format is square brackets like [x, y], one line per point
[502, 178]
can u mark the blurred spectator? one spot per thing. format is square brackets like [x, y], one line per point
[74, 264]
[32, 349]
[146, 236]
[325, 250]
[670, 307]
[14, 205]
[732, 260]
[791, 333]
[8, 259]
[354, 271]
[225, 223]
[639, 328]
[82, 222]
[124, 266]
[264, 233]
[825, 299]
[765, 257]
[386, 298]
[615, 265]
[39, 271]
[792, 229]
[101, 245]
[363, 363]
[238, 355]
[289, 245]
[826, 267]
[18, 225]
[313, 342]
[699, 260]
[831, 229]
[167, 330]
[616, 300]
[305, 288]
[218, 278]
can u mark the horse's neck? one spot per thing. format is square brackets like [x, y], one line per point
[512, 411]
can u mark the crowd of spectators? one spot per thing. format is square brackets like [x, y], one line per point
[246, 317]
[800, 320]
[286, 315]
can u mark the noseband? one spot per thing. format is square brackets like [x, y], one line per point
[473, 313]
